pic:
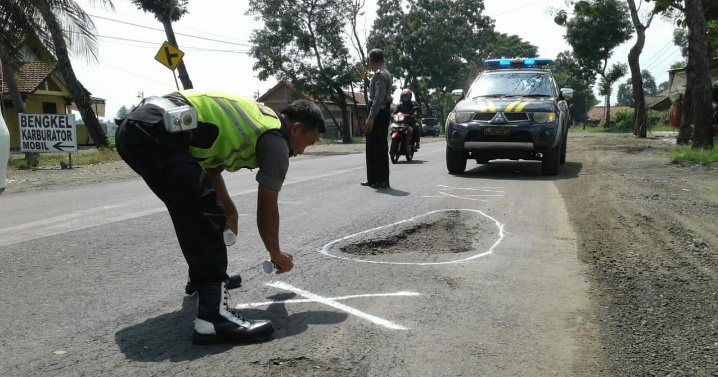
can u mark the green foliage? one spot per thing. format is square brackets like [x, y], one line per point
[596, 29]
[303, 45]
[569, 73]
[688, 154]
[439, 45]
[163, 10]
[625, 90]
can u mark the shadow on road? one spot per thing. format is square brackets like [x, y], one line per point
[167, 337]
[392, 191]
[521, 170]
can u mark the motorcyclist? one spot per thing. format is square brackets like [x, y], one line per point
[413, 110]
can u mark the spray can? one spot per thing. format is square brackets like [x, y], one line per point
[229, 237]
[269, 267]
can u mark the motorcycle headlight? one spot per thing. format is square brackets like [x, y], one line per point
[461, 116]
[544, 117]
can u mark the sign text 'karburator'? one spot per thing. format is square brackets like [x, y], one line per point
[48, 133]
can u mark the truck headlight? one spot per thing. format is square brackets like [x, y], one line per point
[461, 116]
[544, 117]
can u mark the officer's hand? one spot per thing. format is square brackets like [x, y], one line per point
[369, 125]
[231, 222]
[361, 73]
[283, 261]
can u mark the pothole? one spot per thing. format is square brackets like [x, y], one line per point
[436, 237]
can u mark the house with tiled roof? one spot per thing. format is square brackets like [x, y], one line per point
[598, 113]
[284, 93]
[44, 91]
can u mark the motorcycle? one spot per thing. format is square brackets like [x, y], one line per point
[402, 141]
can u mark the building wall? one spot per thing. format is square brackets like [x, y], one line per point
[33, 105]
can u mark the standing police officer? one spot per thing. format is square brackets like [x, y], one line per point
[377, 123]
[182, 162]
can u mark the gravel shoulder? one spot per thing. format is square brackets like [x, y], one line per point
[647, 231]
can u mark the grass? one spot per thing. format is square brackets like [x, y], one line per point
[688, 154]
[355, 139]
[618, 130]
[88, 157]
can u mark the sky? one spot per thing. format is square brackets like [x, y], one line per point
[214, 37]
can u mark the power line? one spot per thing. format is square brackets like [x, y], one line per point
[162, 30]
[134, 74]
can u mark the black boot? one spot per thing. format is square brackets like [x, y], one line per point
[235, 281]
[217, 323]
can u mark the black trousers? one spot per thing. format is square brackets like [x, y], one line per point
[377, 149]
[164, 162]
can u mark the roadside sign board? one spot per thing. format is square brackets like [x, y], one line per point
[169, 55]
[48, 133]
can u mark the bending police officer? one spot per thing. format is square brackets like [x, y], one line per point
[184, 169]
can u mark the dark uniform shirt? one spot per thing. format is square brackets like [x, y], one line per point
[379, 91]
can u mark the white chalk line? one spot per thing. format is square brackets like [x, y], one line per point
[486, 189]
[463, 197]
[336, 305]
[340, 298]
[500, 226]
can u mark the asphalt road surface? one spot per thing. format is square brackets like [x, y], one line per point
[93, 279]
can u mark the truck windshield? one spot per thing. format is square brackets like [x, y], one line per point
[511, 84]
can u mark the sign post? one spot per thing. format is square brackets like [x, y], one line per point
[47, 133]
[170, 56]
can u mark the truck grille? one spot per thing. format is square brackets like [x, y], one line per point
[515, 137]
[486, 117]
[516, 117]
[510, 117]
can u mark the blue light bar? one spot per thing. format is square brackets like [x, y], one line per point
[509, 63]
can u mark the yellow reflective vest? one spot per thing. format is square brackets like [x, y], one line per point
[241, 121]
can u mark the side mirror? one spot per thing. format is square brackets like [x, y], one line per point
[567, 93]
[457, 95]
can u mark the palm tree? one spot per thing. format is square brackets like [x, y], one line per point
[36, 24]
[81, 20]
[166, 12]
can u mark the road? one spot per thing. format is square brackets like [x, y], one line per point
[92, 278]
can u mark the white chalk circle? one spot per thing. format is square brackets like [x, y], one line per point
[326, 250]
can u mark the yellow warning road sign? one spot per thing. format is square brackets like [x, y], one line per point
[170, 56]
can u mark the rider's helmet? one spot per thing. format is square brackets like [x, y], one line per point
[406, 95]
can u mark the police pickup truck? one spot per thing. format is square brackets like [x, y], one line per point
[513, 110]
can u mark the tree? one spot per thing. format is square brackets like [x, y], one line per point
[605, 86]
[697, 47]
[167, 12]
[699, 17]
[596, 28]
[304, 45]
[80, 95]
[359, 47]
[639, 99]
[37, 24]
[625, 95]
[569, 73]
[435, 45]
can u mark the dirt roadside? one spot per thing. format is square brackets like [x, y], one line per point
[647, 231]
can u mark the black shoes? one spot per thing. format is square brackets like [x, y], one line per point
[375, 185]
[217, 323]
[235, 281]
